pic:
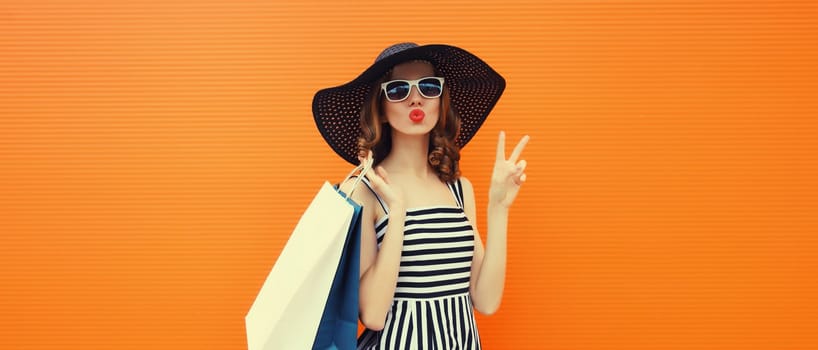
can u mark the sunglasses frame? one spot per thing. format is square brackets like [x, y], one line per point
[412, 83]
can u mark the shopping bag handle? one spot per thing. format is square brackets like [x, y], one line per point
[364, 167]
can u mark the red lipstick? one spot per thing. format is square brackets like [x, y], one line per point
[417, 115]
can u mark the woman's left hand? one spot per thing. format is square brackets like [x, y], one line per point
[508, 174]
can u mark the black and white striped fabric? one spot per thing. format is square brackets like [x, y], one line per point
[432, 308]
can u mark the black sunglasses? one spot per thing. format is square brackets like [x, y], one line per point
[398, 90]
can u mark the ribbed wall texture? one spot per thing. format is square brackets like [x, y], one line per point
[155, 156]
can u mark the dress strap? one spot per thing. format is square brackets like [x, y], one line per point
[457, 191]
[369, 186]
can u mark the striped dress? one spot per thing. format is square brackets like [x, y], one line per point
[432, 308]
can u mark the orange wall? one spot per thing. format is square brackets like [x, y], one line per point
[154, 156]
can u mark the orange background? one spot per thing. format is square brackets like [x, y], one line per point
[155, 155]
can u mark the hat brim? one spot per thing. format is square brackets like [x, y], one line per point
[473, 85]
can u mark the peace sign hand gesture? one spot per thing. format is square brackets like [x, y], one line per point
[508, 174]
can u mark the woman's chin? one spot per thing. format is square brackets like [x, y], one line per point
[415, 129]
[410, 127]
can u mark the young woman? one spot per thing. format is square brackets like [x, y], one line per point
[424, 268]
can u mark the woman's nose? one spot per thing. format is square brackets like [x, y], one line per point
[414, 96]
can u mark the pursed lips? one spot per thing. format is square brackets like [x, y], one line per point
[417, 115]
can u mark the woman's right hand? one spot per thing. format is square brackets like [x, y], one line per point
[389, 192]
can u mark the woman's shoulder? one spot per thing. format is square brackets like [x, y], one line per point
[360, 193]
[465, 184]
[463, 180]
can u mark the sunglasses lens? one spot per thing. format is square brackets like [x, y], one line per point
[430, 88]
[397, 90]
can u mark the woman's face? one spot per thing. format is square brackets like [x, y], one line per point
[416, 115]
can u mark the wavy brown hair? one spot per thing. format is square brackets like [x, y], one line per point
[376, 133]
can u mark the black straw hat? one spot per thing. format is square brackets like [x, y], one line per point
[473, 85]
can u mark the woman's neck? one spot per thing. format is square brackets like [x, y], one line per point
[409, 155]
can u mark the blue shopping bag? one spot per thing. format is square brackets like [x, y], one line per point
[338, 328]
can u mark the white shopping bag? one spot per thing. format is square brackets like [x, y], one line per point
[289, 306]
